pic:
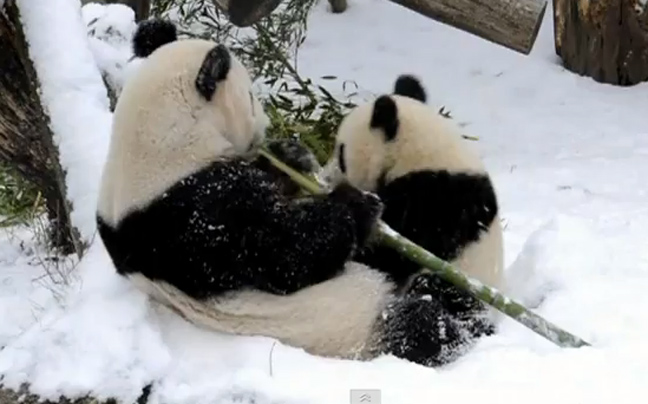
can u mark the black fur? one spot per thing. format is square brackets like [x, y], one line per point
[416, 328]
[214, 69]
[229, 227]
[410, 86]
[442, 212]
[151, 34]
[385, 116]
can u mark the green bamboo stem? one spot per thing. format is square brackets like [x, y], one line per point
[491, 296]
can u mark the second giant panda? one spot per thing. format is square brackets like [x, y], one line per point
[435, 191]
[192, 215]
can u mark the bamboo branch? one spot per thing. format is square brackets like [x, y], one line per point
[491, 296]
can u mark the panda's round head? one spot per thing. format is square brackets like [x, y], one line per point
[394, 135]
[188, 103]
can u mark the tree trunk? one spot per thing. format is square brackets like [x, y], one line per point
[603, 39]
[26, 140]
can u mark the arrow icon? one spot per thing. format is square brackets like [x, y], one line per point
[365, 396]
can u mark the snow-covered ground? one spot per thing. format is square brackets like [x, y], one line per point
[569, 158]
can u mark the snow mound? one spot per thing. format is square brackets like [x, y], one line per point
[110, 29]
[74, 97]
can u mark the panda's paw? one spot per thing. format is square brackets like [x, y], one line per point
[366, 209]
[295, 154]
[421, 331]
[456, 301]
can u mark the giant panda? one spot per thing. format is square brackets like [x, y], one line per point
[435, 190]
[192, 215]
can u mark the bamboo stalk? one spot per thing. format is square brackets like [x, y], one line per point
[491, 296]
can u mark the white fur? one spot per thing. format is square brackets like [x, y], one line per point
[164, 130]
[425, 140]
[333, 318]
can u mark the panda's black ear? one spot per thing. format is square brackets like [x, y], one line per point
[410, 86]
[385, 116]
[151, 34]
[214, 69]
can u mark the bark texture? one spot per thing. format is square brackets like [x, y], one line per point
[26, 140]
[606, 40]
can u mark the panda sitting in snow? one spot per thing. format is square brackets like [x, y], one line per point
[191, 215]
[435, 191]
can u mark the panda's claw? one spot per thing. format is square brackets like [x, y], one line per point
[293, 153]
[366, 209]
[455, 300]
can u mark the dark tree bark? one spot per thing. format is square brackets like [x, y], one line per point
[26, 140]
[603, 39]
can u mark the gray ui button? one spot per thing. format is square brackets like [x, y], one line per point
[366, 396]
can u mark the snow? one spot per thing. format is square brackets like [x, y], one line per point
[110, 29]
[568, 157]
[74, 97]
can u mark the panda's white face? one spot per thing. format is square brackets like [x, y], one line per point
[360, 152]
[421, 139]
[164, 128]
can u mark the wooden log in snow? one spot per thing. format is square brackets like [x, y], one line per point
[26, 140]
[603, 39]
[510, 23]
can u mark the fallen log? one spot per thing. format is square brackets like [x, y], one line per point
[511, 23]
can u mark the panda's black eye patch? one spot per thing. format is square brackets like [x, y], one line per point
[341, 160]
[385, 116]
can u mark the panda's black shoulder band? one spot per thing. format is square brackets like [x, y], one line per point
[151, 34]
[385, 116]
[410, 86]
[214, 68]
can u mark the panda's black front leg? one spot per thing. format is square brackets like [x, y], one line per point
[295, 154]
